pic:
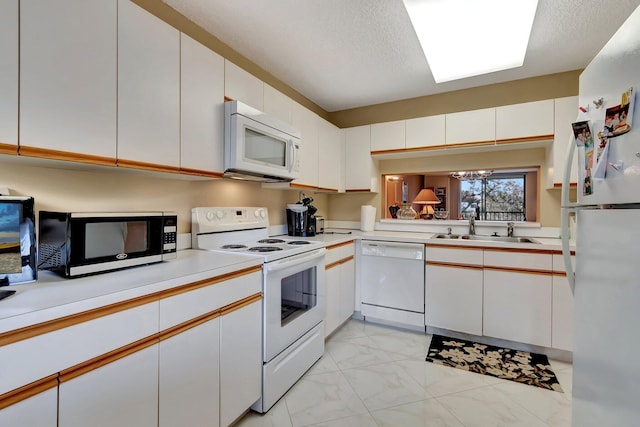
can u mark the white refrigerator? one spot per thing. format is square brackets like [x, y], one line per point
[606, 341]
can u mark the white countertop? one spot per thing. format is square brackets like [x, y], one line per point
[545, 243]
[53, 296]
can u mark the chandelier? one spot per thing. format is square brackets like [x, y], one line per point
[470, 175]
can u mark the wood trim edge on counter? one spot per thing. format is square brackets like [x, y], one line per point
[338, 245]
[519, 270]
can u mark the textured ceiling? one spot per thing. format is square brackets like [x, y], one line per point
[343, 54]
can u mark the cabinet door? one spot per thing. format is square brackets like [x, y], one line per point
[9, 76]
[307, 123]
[332, 299]
[528, 119]
[40, 410]
[278, 105]
[517, 307]
[329, 157]
[562, 314]
[68, 72]
[121, 393]
[240, 361]
[148, 90]
[471, 126]
[347, 289]
[425, 131]
[201, 108]
[189, 377]
[388, 136]
[453, 298]
[243, 86]
[566, 112]
[360, 168]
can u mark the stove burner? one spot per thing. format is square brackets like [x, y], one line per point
[271, 241]
[236, 247]
[264, 249]
[298, 242]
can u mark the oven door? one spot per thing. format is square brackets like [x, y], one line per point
[293, 299]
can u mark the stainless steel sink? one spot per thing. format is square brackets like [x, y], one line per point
[446, 236]
[499, 238]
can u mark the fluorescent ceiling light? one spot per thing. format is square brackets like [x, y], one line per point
[464, 38]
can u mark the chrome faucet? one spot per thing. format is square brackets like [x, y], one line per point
[472, 224]
[509, 229]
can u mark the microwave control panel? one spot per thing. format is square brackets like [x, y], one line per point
[169, 236]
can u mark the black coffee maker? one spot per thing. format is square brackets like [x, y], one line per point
[301, 220]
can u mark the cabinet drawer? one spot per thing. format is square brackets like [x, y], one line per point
[521, 260]
[54, 351]
[339, 252]
[192, 303]
[454, 255]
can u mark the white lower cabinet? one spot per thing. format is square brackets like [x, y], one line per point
[332, 299]
[347, 289]
[240, 361]
[562, 310]
[453, 298]
[40, 410]
[340, 290]
[453, 288]
[189, 391]
[517, 306]
[121, 393]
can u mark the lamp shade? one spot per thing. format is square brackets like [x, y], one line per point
[426, 196]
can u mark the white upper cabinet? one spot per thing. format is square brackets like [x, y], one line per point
[329, 157]
[471, 126]
[278, 105]
[68, 70]
[307, 123]
[148, 89]
[360, 169]
[530, 119]
[566, 112]
[202, 108]
[388, 136]
[243, 86]
[9, 76]
[425, 131]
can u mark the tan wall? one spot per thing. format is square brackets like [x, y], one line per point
[117, 190]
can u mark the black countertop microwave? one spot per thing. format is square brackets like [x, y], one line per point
[81, 243]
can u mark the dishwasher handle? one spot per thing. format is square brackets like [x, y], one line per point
[414, 251]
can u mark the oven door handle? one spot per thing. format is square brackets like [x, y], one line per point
[295, 260]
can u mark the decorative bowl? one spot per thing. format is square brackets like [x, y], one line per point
[441, 214]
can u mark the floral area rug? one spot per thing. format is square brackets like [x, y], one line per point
[519, 366]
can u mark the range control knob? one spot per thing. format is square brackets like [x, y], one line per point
[209, 216]
[219, 214]
[262, 213]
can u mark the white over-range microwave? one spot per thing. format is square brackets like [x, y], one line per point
[258, 147]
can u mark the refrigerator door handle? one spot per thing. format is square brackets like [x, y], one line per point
[565, 237]
[566, 179]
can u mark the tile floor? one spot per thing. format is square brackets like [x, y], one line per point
[374, 375]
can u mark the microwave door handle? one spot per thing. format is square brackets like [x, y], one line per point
[292, 151]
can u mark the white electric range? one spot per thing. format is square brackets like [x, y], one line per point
[293, 275]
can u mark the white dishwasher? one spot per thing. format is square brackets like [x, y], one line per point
[392, 281]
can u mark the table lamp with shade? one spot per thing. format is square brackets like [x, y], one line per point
[427, 198]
